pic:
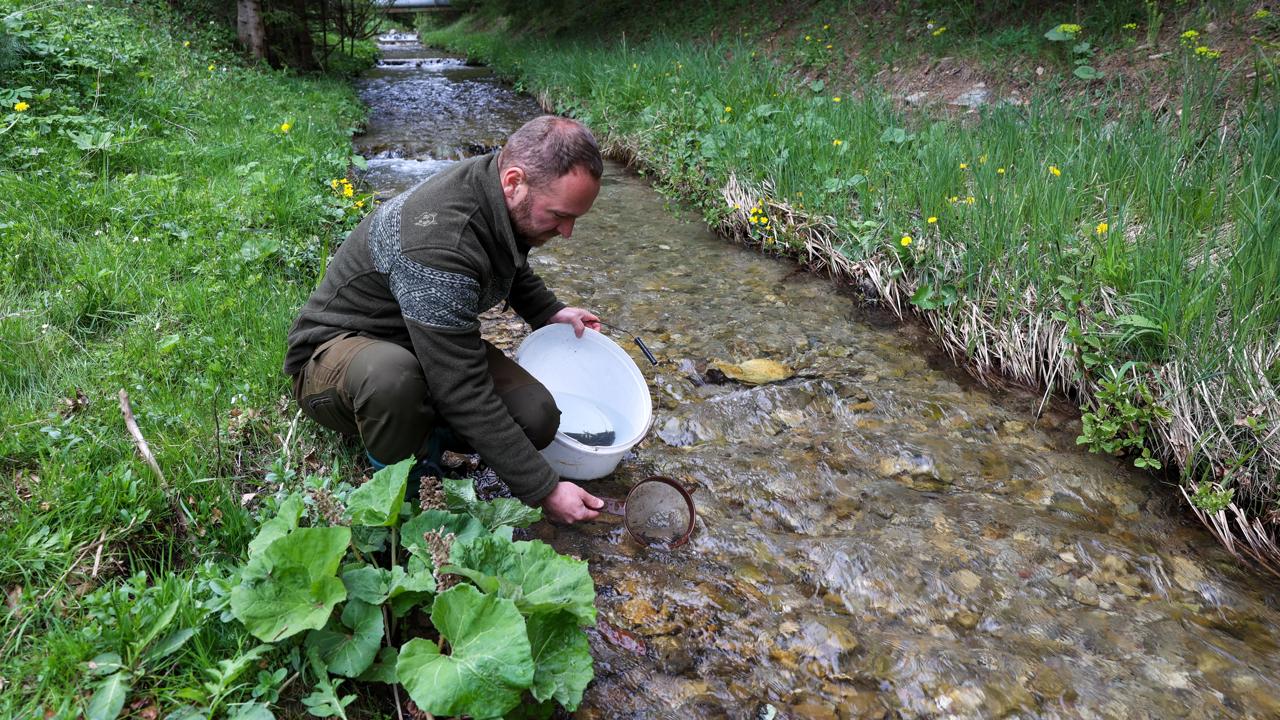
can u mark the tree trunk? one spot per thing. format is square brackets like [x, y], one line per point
[249, 27]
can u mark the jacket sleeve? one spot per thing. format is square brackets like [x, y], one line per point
[531, 298]
[439, 298]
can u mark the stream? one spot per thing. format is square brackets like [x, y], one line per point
[878, 535]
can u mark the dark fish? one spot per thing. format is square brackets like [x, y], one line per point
[596, 439]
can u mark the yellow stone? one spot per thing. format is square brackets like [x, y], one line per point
[755, 372]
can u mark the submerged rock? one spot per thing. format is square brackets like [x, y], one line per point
[755, 372]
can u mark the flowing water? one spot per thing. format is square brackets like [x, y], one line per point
[878, 536]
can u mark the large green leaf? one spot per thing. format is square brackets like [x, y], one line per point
[368, 583]
[108, 699]
[299, 587]
[561, 658]
[460, 496]
[351, 653]
[377, 502]
[489, 665]
[412, 588]
[532, 574]
[383, 669]
[285, 522]
[464, 527]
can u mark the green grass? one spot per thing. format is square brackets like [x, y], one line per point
[159, 229]
[1162, 322]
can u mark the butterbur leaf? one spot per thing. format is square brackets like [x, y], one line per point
[489, 665]
[377, 502]
[383, 669]
[561, 658]
[300, 587]
[108, 699]
[368, 583]
[532, 574]
[412, 588]
[285, 522]
[463, 526]
[350, 654]
[459, 494]
[460, 497]
[505, 512]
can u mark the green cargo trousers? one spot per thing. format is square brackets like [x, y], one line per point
[375, 390]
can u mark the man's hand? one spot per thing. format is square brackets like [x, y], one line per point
[578, 318]
[569, 503]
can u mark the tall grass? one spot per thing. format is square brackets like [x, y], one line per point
[1126, 256]
[165, 209]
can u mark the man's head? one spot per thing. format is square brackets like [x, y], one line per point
[550, 173]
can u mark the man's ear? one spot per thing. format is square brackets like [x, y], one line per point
[514, 186]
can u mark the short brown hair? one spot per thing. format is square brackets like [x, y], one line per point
[550, 147]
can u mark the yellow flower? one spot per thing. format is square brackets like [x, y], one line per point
[20, 106]
[212, 67]
[837, 142]
[753, 220]
[1189, 37]
[1069, 28]
[1205, 52]
[835, 99]
[964, 166]
[1130, 26]
[982, 159]
[186, 43]
[828, 47]
[999, 171]
[286, 127]
[905, 241]
[932, 220]
[1262, 14]
[1054, 171]
[954, 198]
[1102, 228]
[635, 66]
[728, 108]
[939, 31]
[348, 191]
[808, 37]
[359, 203]
[969, 200]
[334, 183]
[826, 27]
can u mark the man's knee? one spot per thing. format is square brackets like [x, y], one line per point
[391, 400]
[535, 412]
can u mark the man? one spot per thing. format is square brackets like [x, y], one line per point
[389, 347]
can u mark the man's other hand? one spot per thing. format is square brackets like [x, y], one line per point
[578, 318]
[569, 503]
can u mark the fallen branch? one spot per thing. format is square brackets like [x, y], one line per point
[143, 449]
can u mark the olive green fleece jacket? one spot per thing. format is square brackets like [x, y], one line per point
[418, 272]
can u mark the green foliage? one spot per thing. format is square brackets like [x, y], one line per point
[1124, 408]
[525, 596]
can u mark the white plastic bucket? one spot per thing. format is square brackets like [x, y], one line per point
[595, 384]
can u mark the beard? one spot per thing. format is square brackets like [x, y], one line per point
[522, 223]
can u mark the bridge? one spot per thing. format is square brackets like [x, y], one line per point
[411, 6]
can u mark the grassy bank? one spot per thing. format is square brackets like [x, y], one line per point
[1088, 241]
[166, 209]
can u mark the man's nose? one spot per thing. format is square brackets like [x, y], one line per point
[565, 228]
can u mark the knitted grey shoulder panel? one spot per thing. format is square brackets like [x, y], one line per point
[427, 296]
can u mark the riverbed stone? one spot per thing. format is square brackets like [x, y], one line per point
[815, 710]
[965, 582]
[1186, 573]
[1085, 591]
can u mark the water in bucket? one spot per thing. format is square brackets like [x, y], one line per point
[585, 421]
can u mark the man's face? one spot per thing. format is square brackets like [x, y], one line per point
[541, 213]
